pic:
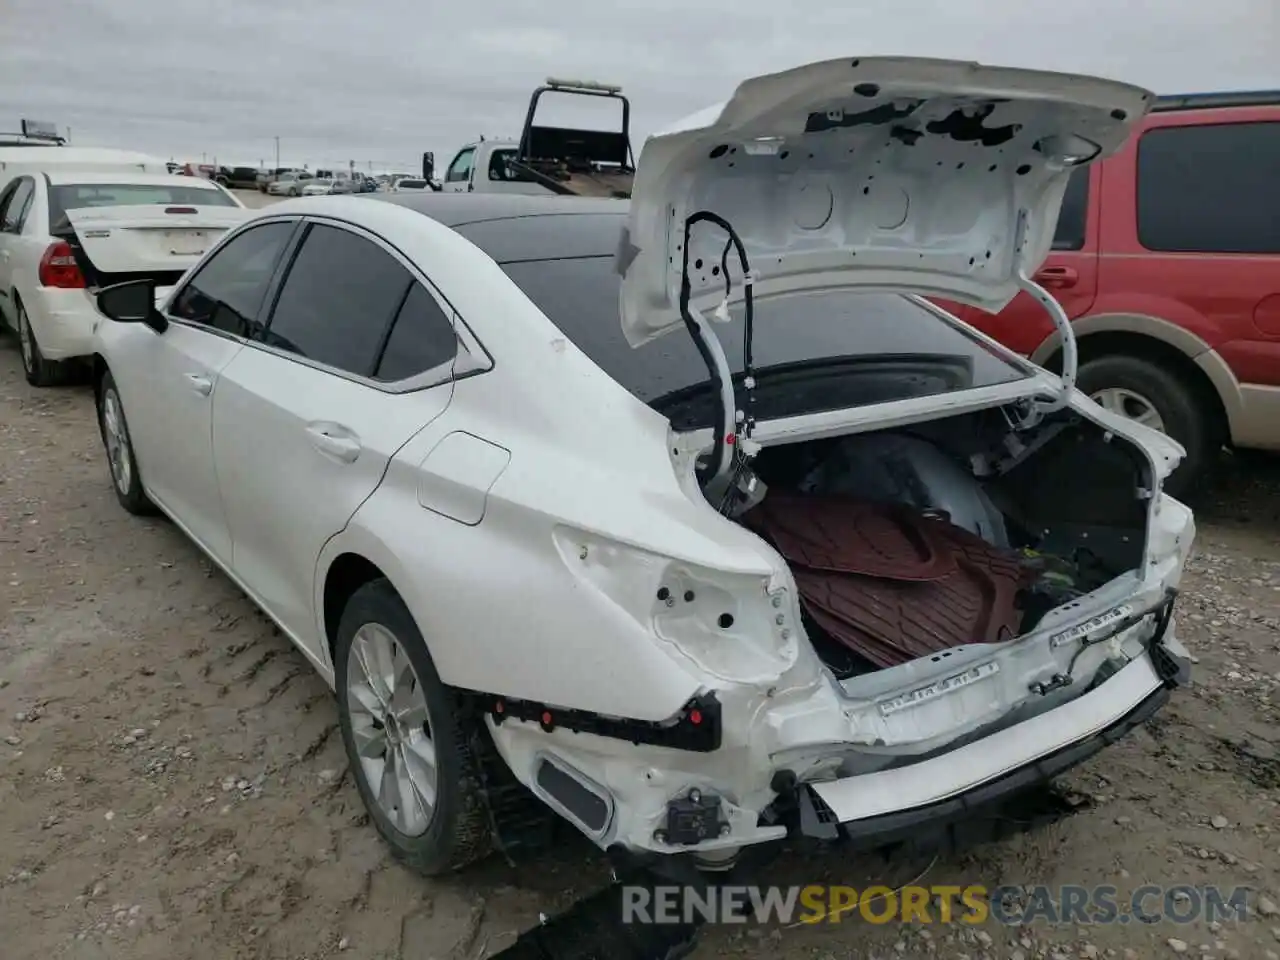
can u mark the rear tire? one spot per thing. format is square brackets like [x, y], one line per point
[39, 371]
[1183, 411]
[456, 831]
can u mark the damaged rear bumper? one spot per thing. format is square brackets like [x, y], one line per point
[912, 802]
[657, 802]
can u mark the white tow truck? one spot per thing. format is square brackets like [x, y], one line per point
[549, 159]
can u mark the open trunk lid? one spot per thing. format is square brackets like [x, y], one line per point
[936, 177]
[113, 244]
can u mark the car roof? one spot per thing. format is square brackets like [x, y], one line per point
[458, 209]
[513, 228]
[65, 156]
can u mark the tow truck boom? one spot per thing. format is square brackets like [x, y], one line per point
[572, 161]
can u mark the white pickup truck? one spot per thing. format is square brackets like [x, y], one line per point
[550, 160]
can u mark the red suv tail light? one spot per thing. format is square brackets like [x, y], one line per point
[58, 268]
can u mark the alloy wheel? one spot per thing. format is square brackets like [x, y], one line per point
[1130, 404]
[116, 436]
[391, 729]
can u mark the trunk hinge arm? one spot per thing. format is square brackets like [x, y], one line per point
[723, 374]
[1061, 322]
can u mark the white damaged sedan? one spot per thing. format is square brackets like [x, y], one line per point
[686, 518]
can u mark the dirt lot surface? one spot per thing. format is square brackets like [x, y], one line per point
[255, 198]
[172, 786]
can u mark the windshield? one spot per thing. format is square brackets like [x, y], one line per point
[813, 351]
[77, 196]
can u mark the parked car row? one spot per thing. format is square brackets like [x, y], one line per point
[297, 183]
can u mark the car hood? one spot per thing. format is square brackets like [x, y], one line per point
[935, 177]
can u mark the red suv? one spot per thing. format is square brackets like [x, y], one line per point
[1167, 260]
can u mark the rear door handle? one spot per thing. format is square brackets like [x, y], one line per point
[335, 441]
[200, 384]
[1059, 277]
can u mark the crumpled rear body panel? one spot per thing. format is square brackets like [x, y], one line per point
[889, 583]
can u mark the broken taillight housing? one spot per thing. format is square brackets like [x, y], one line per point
[58, 268]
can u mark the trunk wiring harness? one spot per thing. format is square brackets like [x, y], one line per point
[724, 477]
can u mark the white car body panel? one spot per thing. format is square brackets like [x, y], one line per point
[527, 515]
[182, 366]
[873, 197]
[337, 433]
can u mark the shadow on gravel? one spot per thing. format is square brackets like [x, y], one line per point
[1246, 492]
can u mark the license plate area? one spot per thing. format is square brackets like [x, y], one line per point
[186, 243]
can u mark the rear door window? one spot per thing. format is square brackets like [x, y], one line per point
[338, 301]
[1073, 219]
[422, 338]
[1210, 189]
[14, 214]
[227, 292]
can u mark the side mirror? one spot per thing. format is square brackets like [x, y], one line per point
[428, 165]
[132, 302]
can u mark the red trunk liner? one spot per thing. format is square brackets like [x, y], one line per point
[890, 583]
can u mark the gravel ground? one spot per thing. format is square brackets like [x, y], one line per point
[172, 785]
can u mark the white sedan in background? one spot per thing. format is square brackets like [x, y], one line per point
[158, 224]
[487, 463]
[319, 187]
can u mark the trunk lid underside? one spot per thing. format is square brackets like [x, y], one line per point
[940, 178]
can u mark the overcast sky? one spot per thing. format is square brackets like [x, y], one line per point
[382, 80]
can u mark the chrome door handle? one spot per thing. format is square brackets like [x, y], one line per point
[334, 441]
[200, 384]
[1059, 277]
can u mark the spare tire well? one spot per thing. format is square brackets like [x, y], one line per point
[1111, 343]
[347, 574]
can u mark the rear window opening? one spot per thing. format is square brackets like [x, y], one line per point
[812, 352]
[78, 196]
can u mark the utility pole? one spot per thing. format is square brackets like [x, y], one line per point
[277, 153]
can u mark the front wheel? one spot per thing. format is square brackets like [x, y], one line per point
[1152, 394]
[406, 742]
[125, 479]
